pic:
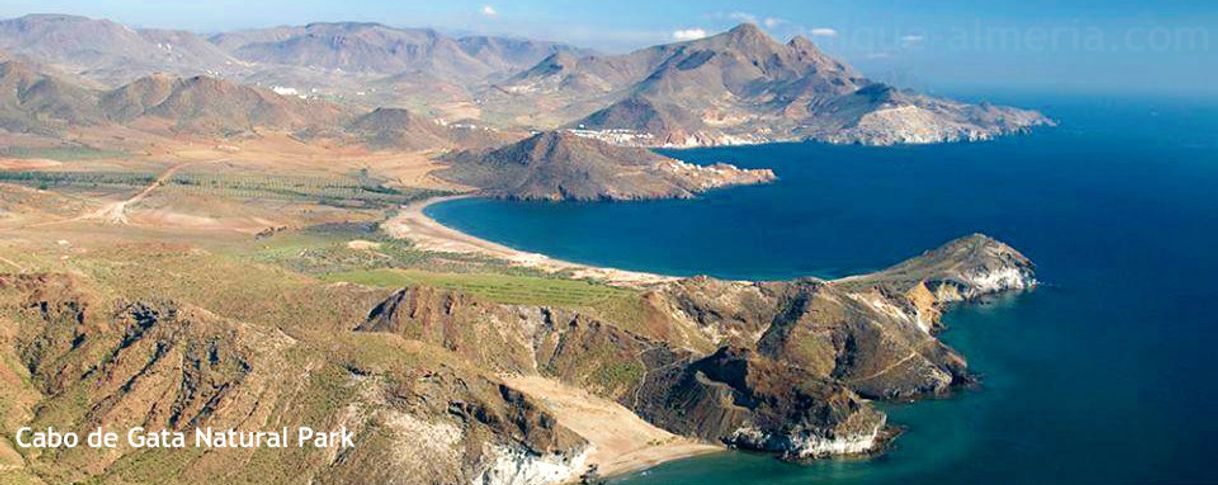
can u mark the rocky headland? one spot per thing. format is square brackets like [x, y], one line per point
[563, 165]
[786, 367]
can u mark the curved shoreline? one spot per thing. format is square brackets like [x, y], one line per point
[429, 235]
[622, 442]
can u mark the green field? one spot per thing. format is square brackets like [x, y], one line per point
[327, 190]
[63, 154]
[340, 191]
[501, 288]
[322, 252]
[79, 179]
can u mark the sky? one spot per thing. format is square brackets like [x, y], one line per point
[1092, 46]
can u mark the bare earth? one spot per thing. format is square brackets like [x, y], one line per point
[623, 442]
[16, 164]
[427, 234]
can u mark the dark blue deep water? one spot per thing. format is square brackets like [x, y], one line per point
[1107, 374]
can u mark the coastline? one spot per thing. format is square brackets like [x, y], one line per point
[429, 235]
[622, 442]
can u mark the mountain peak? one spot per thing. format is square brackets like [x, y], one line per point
[747, 29]
[745, 35]
[542, 145]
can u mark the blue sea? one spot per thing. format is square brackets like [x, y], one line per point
[1106, 374]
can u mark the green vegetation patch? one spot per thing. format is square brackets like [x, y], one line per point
[79, 179]
[327, 248]
[501, 288]
[335, 191]
[326, 251]
[62, 153]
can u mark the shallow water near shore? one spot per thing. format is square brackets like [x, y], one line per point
[1106, 374]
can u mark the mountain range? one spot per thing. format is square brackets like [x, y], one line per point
[202, 105]
[740, 86]
[348, 60]
[34, 102]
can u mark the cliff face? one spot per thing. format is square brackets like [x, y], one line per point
[743, 398]
[966, 269]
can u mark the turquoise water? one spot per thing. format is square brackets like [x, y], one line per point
[1107, 374]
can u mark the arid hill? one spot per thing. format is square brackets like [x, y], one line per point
[34, 102]
[562, 165]
[401, 129]
[110, 52]
[377, 48]
[78, 355]
[207, 107]
[198, 105]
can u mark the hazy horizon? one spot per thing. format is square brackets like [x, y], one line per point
[1120, 47]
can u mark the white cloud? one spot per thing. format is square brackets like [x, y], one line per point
[489, 11]
[911, 40]
[771, 22]
[823, 32]
[743, 17]
[689, 34]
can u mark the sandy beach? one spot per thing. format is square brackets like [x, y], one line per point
[623, 442]
[427, 234]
